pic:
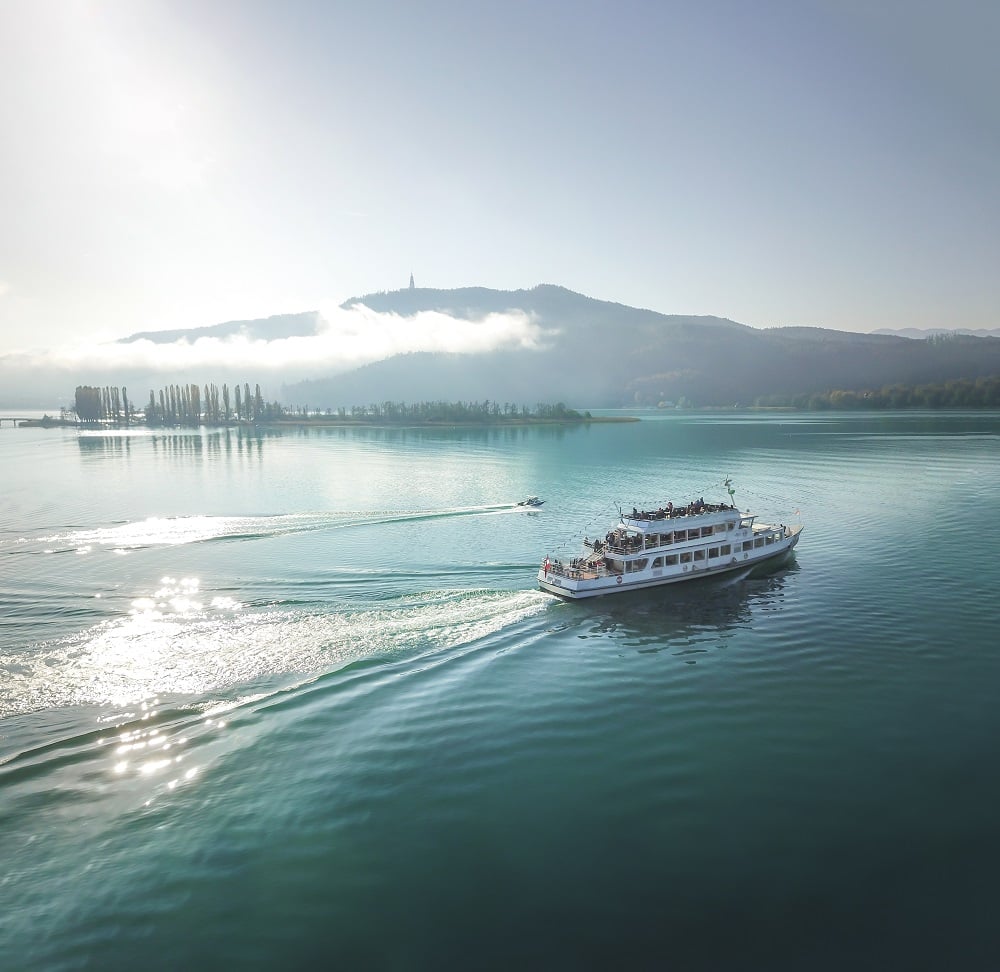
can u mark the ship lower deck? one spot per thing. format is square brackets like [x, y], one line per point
[599, 584]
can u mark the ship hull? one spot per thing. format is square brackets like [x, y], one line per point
[577, 588]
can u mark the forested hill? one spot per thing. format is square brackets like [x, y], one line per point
[602, 354]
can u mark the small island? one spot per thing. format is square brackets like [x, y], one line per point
[46, 421]
[191, 406]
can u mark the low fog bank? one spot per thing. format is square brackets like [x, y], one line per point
[344, 339]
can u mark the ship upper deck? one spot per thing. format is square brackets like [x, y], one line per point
[667, 519]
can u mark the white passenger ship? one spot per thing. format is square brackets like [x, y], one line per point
[665, 546]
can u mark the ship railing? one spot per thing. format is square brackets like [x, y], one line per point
[583, 571]
[648, 543]
[678, 512]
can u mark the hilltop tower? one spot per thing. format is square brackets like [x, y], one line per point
[411, 282]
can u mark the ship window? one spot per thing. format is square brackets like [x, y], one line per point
[657, 561]
[725, 550]
[637, 565]
[769, 538]
[713, 552]
[706, 531]
[748, 544]
[759, 542]
[719, 528]
[731, 525]
[671, 560]
[699, 555]
[685, 558]
[680, 535]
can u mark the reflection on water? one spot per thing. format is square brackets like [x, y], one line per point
[99, 446]
[207, 443]
[407, 434]
[136, 754]
[153, 751]
[682, 618]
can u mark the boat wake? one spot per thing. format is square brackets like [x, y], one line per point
[177, 641]
[135, 708]
[178, 530]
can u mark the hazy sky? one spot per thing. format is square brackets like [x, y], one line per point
[177, 163]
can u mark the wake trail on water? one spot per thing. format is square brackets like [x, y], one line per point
[178, 643]
[138, 706]
[178, 530]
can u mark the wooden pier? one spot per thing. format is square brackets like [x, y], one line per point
[53, 421]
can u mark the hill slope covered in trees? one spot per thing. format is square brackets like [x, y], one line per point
[602, 354]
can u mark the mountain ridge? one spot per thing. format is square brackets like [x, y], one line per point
[605, 354]
[275, 327]
[591, 353]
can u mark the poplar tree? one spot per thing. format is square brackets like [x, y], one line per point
[88, 403]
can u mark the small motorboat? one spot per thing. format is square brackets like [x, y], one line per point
[531, 501]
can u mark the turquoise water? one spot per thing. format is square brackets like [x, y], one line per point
[292, 700]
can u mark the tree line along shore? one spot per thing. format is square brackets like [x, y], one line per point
[190, 405]
[957, 393]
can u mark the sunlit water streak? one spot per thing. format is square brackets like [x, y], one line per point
[173, 643]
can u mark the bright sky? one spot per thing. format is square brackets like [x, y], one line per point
[177, 163]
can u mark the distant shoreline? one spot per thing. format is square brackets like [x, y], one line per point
[346, 422]
[326, 422]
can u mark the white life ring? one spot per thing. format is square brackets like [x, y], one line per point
[619, 578]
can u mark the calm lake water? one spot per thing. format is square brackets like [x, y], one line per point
[292, 700]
